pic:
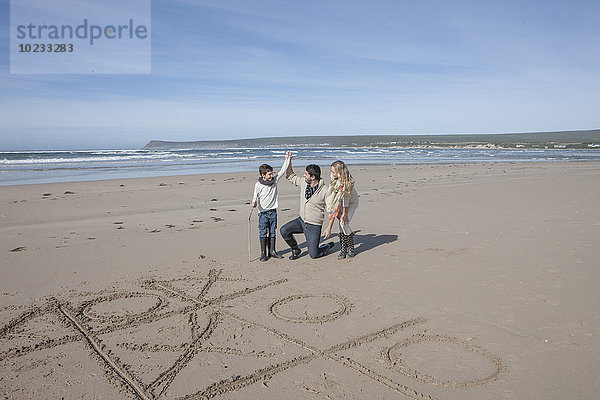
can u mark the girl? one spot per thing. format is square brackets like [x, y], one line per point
[342, 201]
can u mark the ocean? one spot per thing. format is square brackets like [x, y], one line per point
[29, 167]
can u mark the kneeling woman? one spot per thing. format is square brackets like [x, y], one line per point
[342, 202]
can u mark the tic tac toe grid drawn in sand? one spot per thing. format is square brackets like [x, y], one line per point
[149, 340]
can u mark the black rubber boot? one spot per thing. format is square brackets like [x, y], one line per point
[343, 246]
[263, 250]
[272, 252]
[350, 249]
[324, 250]
[295, 249]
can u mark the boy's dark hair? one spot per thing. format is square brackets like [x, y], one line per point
[263, 169]
[314, 170]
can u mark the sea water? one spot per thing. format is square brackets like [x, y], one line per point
[27, 167]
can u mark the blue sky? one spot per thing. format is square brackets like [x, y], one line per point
[252, 68]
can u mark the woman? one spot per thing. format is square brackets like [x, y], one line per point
[342, 201]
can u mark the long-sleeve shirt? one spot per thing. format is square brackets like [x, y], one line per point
[312, 211]
[266, 196]
[350, 199]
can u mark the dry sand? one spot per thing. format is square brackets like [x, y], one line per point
[470, 282]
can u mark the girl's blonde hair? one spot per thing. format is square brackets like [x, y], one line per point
[344, 176]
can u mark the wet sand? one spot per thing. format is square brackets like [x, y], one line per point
[470, 282]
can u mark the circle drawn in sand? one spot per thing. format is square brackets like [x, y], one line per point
[306, 301]
[393, 356]
[119, 311]
[125, 313]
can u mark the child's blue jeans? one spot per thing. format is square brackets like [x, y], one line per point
[267, 224]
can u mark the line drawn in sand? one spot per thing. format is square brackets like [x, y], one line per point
[87, 324]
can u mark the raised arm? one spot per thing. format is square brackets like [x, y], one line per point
[289, 173]
[288, 157]
[286, 165]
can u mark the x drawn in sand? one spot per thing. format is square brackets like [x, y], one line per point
[155, 351]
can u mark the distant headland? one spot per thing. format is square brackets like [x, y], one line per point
[587, 139]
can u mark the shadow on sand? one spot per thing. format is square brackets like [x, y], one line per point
[362, 243]
[370, 241]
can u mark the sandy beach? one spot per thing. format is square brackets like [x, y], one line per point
[470, 282]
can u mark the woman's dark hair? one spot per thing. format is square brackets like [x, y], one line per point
[314, 170]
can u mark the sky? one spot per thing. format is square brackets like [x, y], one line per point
[229, 69]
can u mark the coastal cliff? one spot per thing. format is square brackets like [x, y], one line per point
[564, 139]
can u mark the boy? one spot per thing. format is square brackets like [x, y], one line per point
[265, 196]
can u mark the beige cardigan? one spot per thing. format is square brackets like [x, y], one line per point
[312, 211]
